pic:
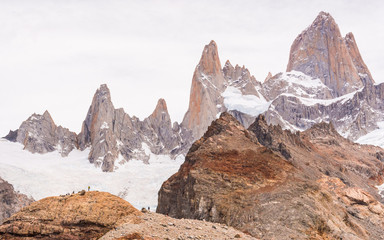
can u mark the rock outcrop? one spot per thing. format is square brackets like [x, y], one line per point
[86, 215]
[10, 200]
[321, 52]
[274, 184]
[39, 134]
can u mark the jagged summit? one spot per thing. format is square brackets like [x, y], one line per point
[269, 76]
[161, 108]
[39, 134]
[354, 52]
[210, 62]
[324, 17]
[321, 52]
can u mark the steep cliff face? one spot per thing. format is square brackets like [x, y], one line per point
[274, 184]
[39, 134]
[87, 215]
[10, 200]
[205, 100]
[321, 52]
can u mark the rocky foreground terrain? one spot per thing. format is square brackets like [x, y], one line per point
[86, 215]
[274, 184]
[100, 215]
[158, 226]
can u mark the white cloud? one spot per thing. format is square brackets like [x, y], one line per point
[54, 54]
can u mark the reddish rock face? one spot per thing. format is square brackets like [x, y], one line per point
[207, 85]
[320, 51]
[87, 215]
[274, 184]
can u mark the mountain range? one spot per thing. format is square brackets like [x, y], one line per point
[326, 80]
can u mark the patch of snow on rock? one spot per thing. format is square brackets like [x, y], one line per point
[375, 137]
[249, 104]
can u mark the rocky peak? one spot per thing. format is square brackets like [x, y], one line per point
[324, 18]
[11, 136]
[210, 62]
[241, 78]
[39, 134]
[113, 135]
[358, 61]
[97, 130]
[205, 100]
[269, 76]
[228, 69]
[99, 116]
[161, 109]
[158, 128]
[321, 52]
[224, 124]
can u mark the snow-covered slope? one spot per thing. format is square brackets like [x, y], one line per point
[43, 175]
[375, 137]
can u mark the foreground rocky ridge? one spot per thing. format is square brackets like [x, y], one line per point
[274, 184]
[154, 226]
[99, 215]
[10, 200]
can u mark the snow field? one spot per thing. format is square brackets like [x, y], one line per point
[44, 175]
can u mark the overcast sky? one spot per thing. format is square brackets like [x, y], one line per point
[55, 54]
